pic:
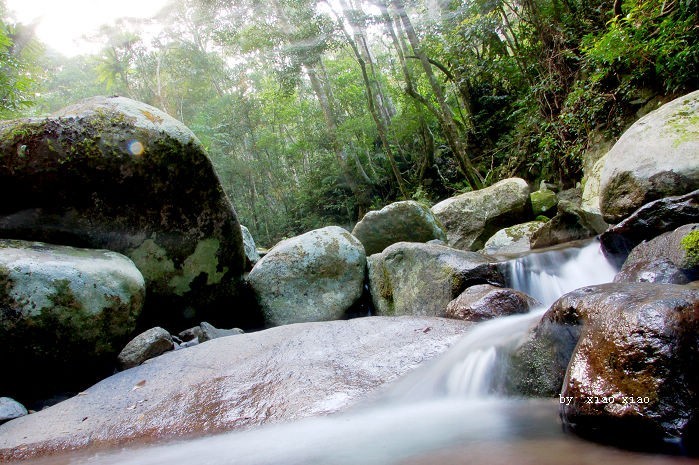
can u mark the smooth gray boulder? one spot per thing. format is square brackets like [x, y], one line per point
[252, 256]
[113, 173]
[11, 409]
[471, 218]
[272, 376]
[149, 344]
[312, 277]
[421, 279]
[658, 156]
[64, 314]
[513, 240]
[406, 221]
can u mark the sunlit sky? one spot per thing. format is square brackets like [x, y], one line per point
[62, 24]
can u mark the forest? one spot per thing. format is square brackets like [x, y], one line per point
[317, 111]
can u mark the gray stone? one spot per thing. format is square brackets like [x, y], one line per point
[252, 256]
[313, 277]
[590, 205]
[421, 279]
[11, 409]
[64, 314]
[471, 218]
[484, 301]
[406, 221]
[513, 240]
[209, 332]
[568, 225]
[112, 173]
[149, 344]
[658, 156]
[277, 375]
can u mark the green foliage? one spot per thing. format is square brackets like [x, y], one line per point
[690, 243]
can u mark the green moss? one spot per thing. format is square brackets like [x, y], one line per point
[203, 260]
[152, 261]
[690, 244]
[543, 218]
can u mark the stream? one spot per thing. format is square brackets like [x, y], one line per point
[447, 412]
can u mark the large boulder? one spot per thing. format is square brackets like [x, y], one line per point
[513, 240]
[633, 376]
[64, 315]
[484, 301]
[312, 277]
[271, 376]
[658, 156]
[648, 222]
[670, 258]
[406, 221]
[113, 173]
[471, 218]
[421, 279]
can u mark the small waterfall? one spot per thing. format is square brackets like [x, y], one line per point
[473, 368]
[548, 275]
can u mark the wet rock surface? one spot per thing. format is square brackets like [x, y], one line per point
[664, 259]
[484, 301]
[113, 173]
[316, 276]
[637, 346]
[513, 240]
[65, 313]
[421, 279]
[236, 382]
[648, 222]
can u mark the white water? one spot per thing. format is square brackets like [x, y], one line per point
[471, 369]
[450, 404]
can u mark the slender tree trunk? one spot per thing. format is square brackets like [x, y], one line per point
[449, 125]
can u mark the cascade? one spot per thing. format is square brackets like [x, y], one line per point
[446, 412]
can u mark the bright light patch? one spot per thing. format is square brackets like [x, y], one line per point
[135, 148]
[64, 24]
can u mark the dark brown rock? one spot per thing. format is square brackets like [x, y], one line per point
[663, 260]
[280, 374]
[569, 224]
[116, 174]
[647, 222]
[632, 378]
[484, 301]
[149, 344]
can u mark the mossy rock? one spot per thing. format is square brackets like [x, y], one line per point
[64, 315]
[543, 201]
[410, 278]
[658, 156]
[121, 175]
[406, 221]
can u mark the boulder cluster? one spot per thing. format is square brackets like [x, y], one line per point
[118, 230]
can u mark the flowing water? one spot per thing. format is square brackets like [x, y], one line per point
[448, 412]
